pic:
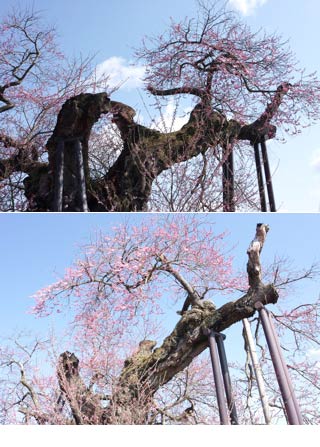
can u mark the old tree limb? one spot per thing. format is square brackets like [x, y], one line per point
[146, 152]
[147, 370]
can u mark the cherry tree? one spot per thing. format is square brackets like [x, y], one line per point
[130, 358]
[239, 87]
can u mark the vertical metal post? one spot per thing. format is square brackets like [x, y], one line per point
[263, 202]
[225, 181]
[58, 180]
[278, 366]
[285, 368]
[226, 378]
[223, 412]
[231, 180]
[257, 371]
[228, 179]
[268, 175]
[81, 175]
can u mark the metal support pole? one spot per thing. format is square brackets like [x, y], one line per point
[257, 371]
[58, 181]
[263, 202]
[285, 368]
[81, 175]
[225, 187]
[226, 378]
[223, 412]
[268, 175]
[228, 180]
[231, 180]
[278, 366]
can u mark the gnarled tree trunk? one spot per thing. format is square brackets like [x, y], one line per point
[145, 155]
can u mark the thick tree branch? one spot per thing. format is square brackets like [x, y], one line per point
[188, 340]
[145, 155]
[254, 250]
[148, 152]
[24, 160]
[193, 297]
[176, 91]
[8, 104]
[262, 127]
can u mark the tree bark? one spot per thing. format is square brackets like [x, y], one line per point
[84, 404]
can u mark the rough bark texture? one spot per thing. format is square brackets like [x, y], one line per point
[254, 250]
[149, 369]
[186, 342]
[146, 152]
[84, 404]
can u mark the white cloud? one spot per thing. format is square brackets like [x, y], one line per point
[247, 7]
[172, 117]
[122, 73]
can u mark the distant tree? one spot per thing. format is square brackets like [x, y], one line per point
[242, 84]
[116, 370]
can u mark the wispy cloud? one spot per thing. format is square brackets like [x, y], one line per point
[247, 7]
[122, 73]
[172, 117]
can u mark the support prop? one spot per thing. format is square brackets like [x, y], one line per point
[228, 179]
[59, 174]
[226, 403]
[285, 368]
[58, 181]
[291, 406]
[262, 194]
[257, 371]
[226, 378]
[268, 176]
[263, 162]
[81, 176]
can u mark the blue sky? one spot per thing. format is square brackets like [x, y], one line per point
[111, 29]
[37, 247]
